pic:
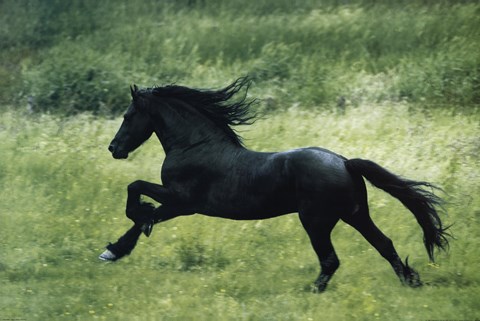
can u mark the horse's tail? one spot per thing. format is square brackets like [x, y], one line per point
[413, 195]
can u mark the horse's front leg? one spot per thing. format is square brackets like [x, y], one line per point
[142, 214]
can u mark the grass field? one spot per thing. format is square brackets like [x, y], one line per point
[397, 82]
[63, 199]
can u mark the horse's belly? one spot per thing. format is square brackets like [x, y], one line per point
[253, 206]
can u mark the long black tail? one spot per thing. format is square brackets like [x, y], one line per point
[413, 195]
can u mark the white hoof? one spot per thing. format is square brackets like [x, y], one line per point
[107, 256]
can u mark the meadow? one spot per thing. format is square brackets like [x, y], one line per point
[394, 82]
[63, 200]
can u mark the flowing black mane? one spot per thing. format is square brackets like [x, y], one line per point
[216, 104]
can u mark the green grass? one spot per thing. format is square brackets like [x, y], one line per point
[408, 72]
[63, 199]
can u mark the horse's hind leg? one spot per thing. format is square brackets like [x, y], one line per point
[319, 230]
[362, 222]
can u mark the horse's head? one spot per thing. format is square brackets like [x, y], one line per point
[136, 127]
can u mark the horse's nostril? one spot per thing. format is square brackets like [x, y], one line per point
[111, 148]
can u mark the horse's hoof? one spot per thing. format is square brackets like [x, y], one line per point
[318, 288]
[411, 277]
[147, 228]
[107, 256]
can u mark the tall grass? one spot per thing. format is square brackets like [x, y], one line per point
[63, 199]
[77, 57]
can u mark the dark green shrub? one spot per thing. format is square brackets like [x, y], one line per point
[73, 79]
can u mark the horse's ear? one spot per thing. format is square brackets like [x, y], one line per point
[138, 97]
[133, 91]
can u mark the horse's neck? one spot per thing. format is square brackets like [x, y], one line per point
[180, 128]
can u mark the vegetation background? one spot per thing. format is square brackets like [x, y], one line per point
[392, 81]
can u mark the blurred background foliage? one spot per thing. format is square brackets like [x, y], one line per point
[73, 56]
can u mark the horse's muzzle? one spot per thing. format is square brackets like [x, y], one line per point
[116, 152]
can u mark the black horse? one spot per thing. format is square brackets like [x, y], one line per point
[207, 170]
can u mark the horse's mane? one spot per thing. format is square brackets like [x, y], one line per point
[216, 104]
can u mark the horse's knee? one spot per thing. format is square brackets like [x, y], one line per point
[133, 200]
[135, 187]
[130, 213]
[141, 212]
